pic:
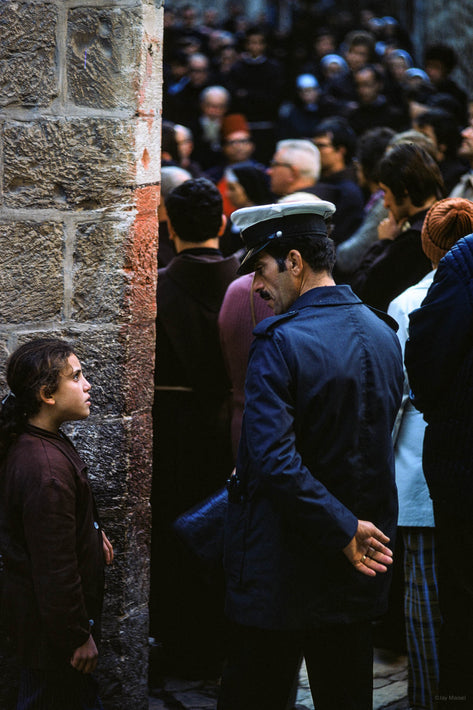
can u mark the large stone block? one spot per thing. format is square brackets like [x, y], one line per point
[68, 164]
[100, 283]
[139, 386]
[452, 24]
[121, 478]
[114, 268]
[123, 671]
[103, 358]
[28, 75]
[141, 255]
[103, 50]
[31, 271]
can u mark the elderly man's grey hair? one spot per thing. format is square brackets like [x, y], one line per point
[219, 92]
[302, 154]
[171, 177]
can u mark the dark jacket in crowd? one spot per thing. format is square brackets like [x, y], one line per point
[439, 361]
[392, 265]
[52, 548]
[379, 113]
[256, 87]
[347, 196]
[192, 453]
[193, 433]
[323, 387]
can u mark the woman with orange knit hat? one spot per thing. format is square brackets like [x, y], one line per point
[422, 530]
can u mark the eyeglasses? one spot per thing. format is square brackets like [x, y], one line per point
[238, 141]
[275, 164]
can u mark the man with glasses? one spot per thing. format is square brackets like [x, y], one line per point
[336, 142]
[295, 167]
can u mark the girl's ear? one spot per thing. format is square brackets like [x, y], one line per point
[46, 396]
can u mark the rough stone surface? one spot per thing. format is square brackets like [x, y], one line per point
[452, 23]
[102, 56]
[79, 174]
[31, 271]
[67, 164]
[28, 75]
[100, 283]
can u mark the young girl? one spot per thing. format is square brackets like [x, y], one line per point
[50, 538]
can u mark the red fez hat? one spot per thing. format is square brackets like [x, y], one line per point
[234, 122]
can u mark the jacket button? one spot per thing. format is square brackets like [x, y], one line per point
[96, 525]
[91, 622]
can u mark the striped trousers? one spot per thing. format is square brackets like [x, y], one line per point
[65, 689]
[422, 616]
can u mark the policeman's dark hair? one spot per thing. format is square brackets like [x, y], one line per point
[317, 251]
[341, 134]
[34, 365]
[445, 127]
[370, 149]
[195, 210]
[408, 170]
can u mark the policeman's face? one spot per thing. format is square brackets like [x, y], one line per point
[276, 287]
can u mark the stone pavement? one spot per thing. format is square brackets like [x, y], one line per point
[390, 689]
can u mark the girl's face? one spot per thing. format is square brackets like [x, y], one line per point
[71, 399]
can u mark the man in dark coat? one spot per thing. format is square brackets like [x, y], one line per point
[336, 142]
[315, 464]
[193, 454]
[256, 84]
[411, 182]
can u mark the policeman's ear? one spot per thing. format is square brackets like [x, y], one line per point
[294, 261]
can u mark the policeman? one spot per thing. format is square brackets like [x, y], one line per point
[306, 538]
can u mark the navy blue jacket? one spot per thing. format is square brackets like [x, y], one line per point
[323, 386]
[439, 362]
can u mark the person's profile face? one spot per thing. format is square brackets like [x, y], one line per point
[276, 287]
[71, 397]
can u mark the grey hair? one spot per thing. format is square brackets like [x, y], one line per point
[303, 154]
[171, 177]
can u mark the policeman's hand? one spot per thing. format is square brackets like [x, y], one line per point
[84, 658]
[367, 550]
[107, 549]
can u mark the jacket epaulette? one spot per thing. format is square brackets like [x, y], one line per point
[268, 324]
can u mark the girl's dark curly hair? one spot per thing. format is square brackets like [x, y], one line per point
[34, 365]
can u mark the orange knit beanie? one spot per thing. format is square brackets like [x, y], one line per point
[447, 221]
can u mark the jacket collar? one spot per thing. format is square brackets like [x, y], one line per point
[326, 296]
[341, 295]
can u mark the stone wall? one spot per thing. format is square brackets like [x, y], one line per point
[80, 97]
[452, 24]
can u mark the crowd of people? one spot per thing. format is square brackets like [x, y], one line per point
[339, 112]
